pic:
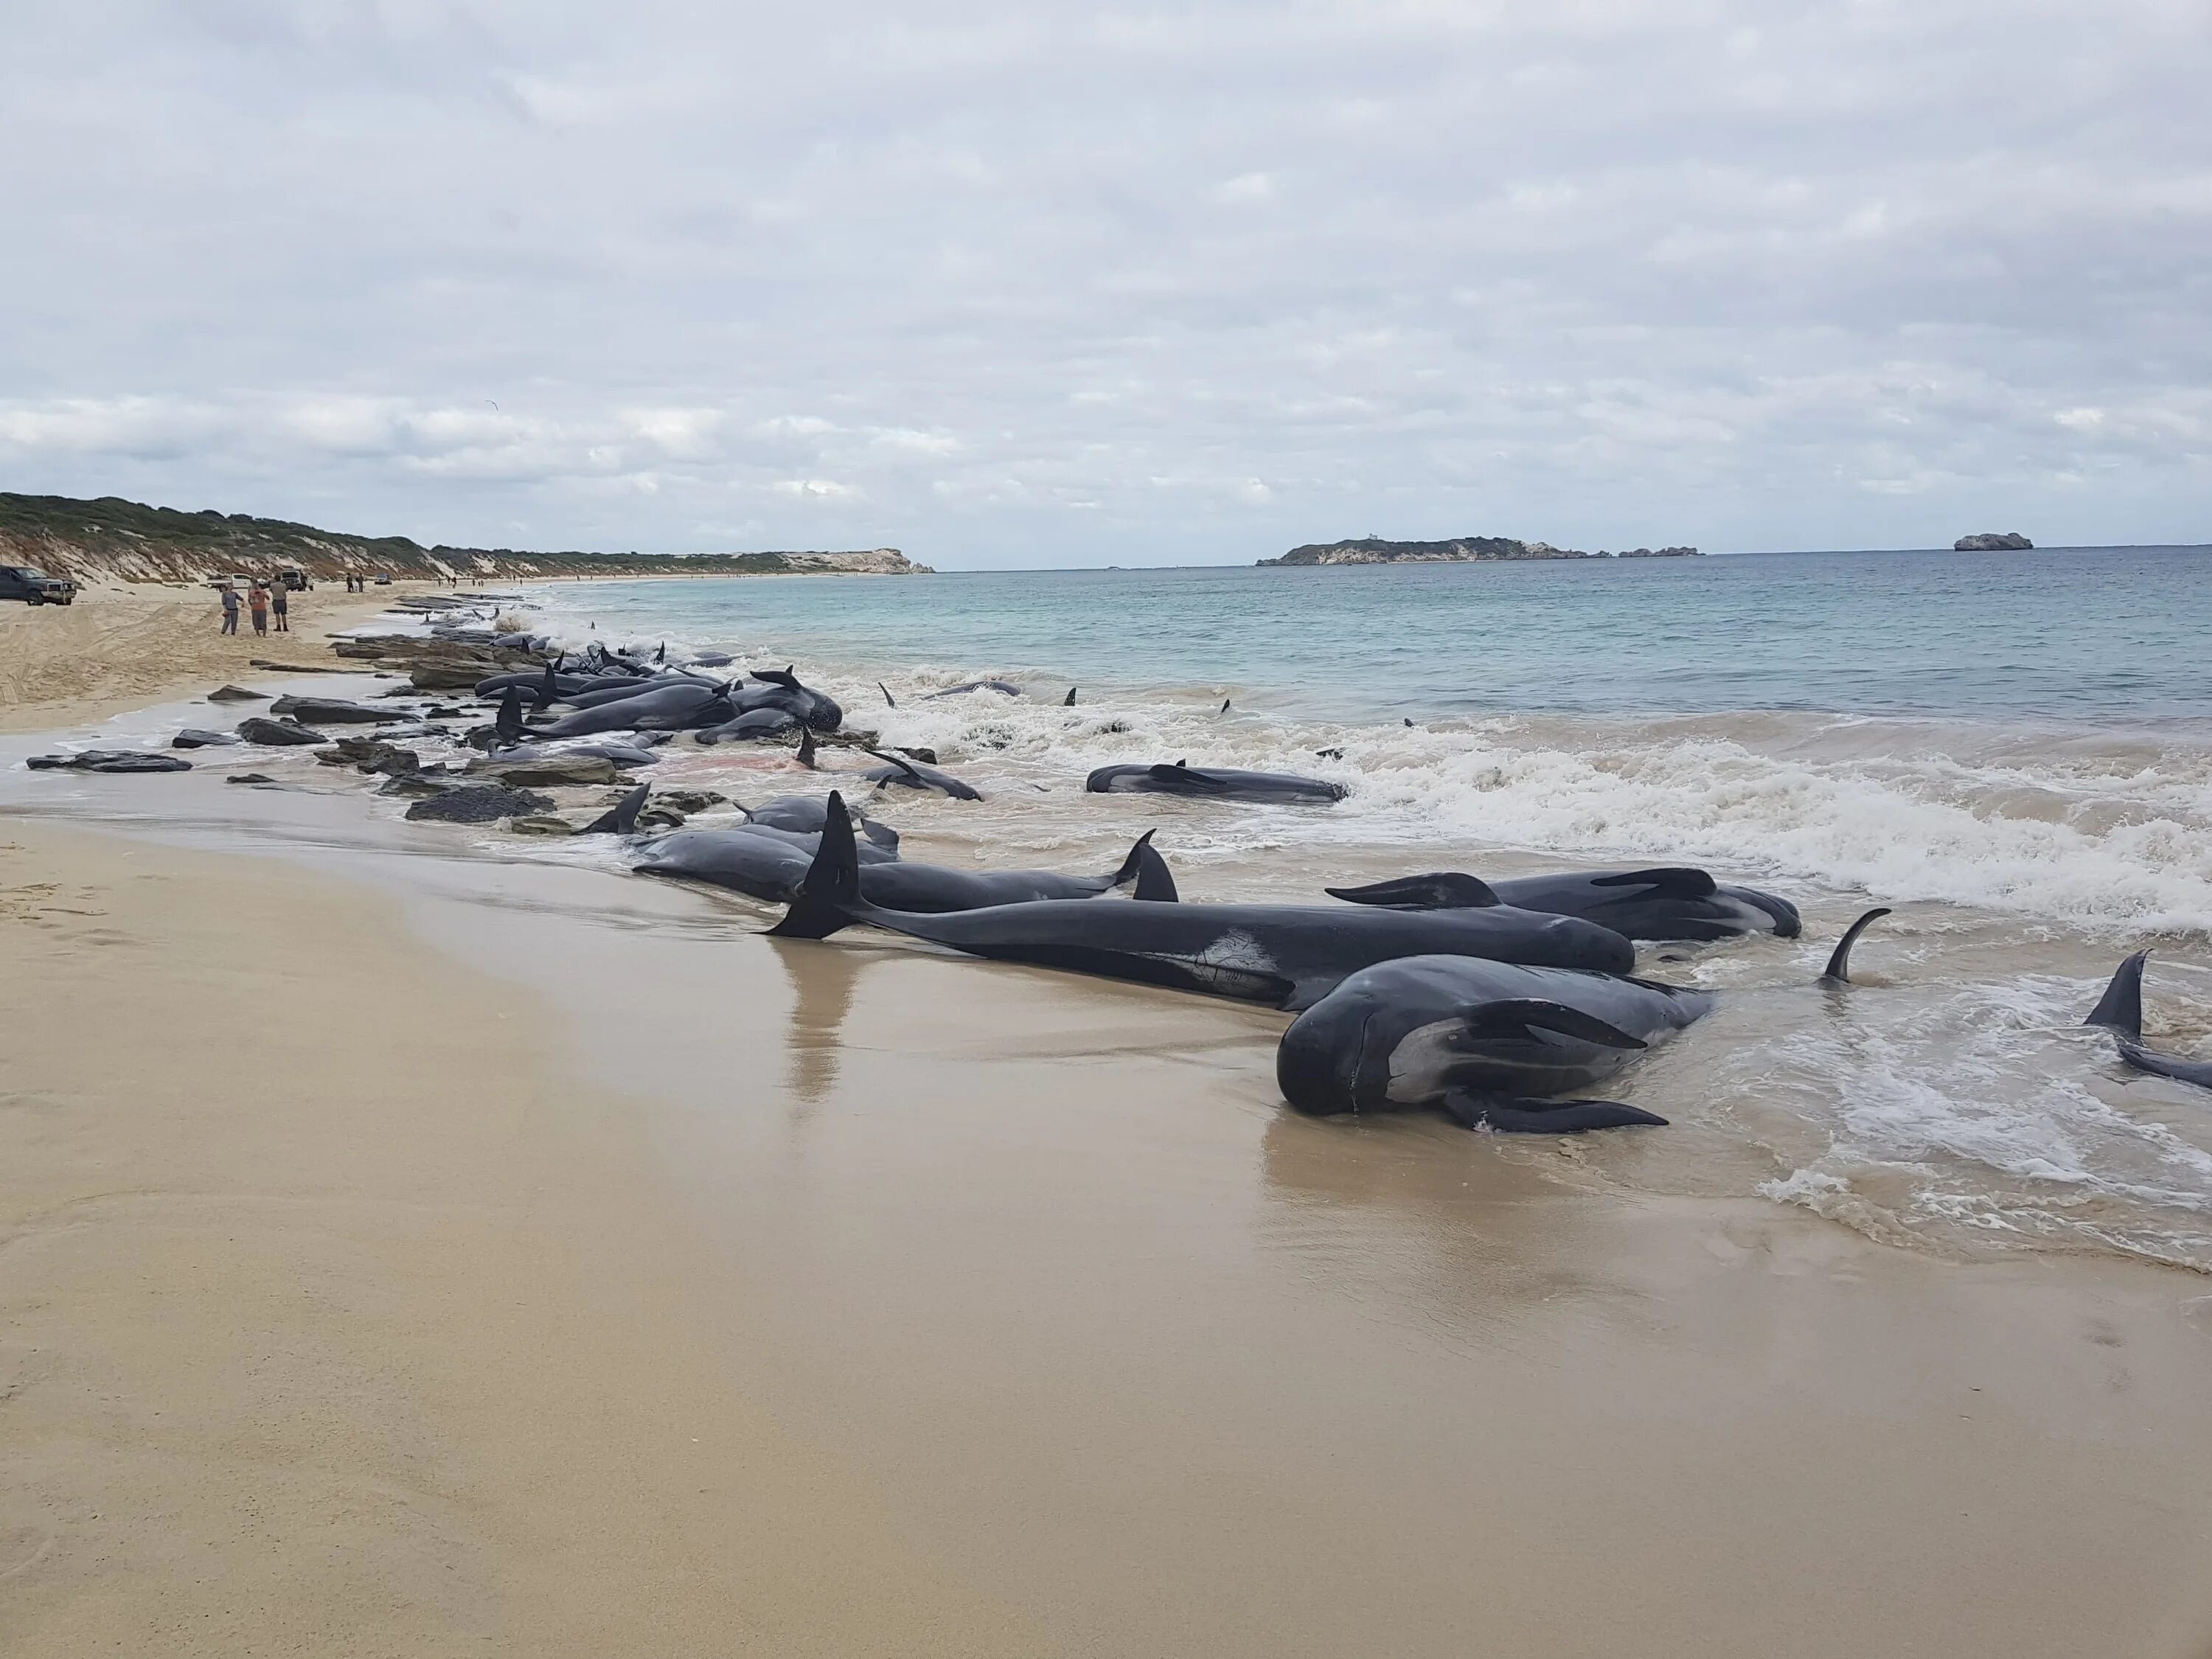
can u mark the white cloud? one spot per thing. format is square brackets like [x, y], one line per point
[1738, 272]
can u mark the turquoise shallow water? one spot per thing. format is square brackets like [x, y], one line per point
[2099, 637]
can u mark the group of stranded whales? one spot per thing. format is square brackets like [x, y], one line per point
[1498, 1003]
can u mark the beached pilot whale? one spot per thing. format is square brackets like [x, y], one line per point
[1285, 956]
[751, 862]
[1670, 903]
[673, 707]
[1489, 1042]
[1209, 783]
[807, 814]
[896, 773]
[2120, 1010]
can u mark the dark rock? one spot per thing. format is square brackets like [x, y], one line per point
[328, 711]
[109, 760]
[415, 786]
[2010, 541]
[192, 738]
[685, 801]
[486, 803]
[236, 694]
[926, 756]
[659, 817]
[372, 755]
[543, 823]
[249, 777]
[278, 733]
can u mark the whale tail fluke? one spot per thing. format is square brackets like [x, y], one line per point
[622, 820]
[1155, 882]
[1838, 970]
[1545, 1117]
[2120, 1008]
[826, 897]
[806, 747]
[1440, 890]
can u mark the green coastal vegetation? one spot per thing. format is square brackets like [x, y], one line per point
[111, 538]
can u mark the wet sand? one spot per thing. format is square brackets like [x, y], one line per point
[411, 1249]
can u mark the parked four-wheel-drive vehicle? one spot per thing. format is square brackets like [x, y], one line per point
[294, 579]
[20, 581]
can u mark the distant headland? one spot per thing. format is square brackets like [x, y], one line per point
[112, 539]
[1465, 549]
[1993, 541]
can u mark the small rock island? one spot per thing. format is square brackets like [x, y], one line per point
[1373, 550]
[1990, 541]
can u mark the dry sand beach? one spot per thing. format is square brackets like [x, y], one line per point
[405, 1250]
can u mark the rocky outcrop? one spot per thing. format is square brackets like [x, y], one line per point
[114, 540]
[109, 760]
[1465, 549]
[1991, 541]
[546, 771]
[486, 804]
[327, 711]
[270, 734]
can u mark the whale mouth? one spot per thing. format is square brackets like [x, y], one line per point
[1786, 922]
[1370, 1079]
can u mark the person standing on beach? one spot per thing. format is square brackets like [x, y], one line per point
[229, 595]
[258, 596]
[279, 601]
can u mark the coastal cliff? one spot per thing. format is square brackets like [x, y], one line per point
[110, 539]
[1373, 550]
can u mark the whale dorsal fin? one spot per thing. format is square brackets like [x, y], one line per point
[1440, 890]
[1155, 882]
[622, 820]
[782, 677]
[1070, 701]
[2121, 1007]
[1670, 881]
[1838, 970]
[890, 702]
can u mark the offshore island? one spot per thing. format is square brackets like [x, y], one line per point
[1464, 550]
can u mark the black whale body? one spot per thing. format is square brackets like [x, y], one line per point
[751, 862]
[1670, 903]
[1489, 1042]
[1284, 956]
[808, 813]
[1209, 783]
[2120, 1010]
[665, 708]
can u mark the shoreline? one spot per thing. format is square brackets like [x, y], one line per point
[419, 1249]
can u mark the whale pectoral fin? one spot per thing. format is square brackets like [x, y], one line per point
[2196, 1072]
[1512, 1016]
[1545, 1117]
[1671, 881]
[1439, 890]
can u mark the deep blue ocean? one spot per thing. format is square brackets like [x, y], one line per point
[2094, 636]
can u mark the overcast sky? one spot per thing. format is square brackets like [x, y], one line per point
[1058, 285]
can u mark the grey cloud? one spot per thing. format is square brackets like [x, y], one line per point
[1118, 286]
